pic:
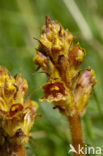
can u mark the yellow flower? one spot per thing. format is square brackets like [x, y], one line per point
[83, 89]
[16, 114]
[57, 56]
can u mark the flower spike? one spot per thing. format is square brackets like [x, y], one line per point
[60, 60]
[68, 87]
[16, 114]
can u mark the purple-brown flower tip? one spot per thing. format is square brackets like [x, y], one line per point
[83, 89]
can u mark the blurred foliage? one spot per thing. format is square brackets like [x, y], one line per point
[20, 21]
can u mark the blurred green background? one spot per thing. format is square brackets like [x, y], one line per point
[20, 21]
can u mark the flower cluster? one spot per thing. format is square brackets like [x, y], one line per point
[16, 115]
[68, 88]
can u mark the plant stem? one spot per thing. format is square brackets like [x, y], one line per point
[14, 151]
[76, 132]
[20, 151]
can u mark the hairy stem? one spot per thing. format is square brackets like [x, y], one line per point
[76, 132]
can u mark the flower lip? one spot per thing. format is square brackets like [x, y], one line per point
[54, 91]
[15, 108]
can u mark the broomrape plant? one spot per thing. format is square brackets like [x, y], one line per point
[68, 87]
[16, 114]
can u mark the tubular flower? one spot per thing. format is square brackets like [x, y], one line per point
[16, 115]
[68, 87]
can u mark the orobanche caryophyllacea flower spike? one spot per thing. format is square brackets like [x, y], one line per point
[68, 87]
[16, 115]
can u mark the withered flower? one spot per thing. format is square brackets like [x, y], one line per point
[16, 114]
[68, 88]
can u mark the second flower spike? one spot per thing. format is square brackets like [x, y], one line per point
[16, 114]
